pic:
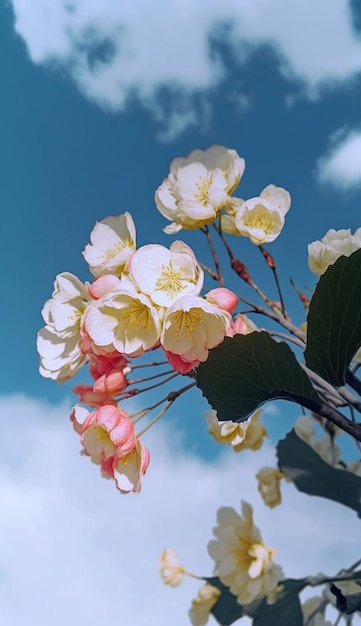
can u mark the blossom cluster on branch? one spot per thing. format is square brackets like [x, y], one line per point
[149, 298]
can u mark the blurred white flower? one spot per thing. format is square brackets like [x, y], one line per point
[171, 570]
[242, 561]
[228, 432]
[328, 450]
[336, 243]
[305, 428]
[202, 605]
[310, 607]
[269, 485]
[239, 435]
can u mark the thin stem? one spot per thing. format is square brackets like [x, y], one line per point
[220, 277]
[340, 420]
[242, 272]
[142, 380]
[171, 397]
[136, 392]
[208, 270]
[138, 415]
[155, 419]
[294, 340]
[324, 385]
[153, 364]
[272, 264]
[338, 578]
[294, 330]
[304, 299]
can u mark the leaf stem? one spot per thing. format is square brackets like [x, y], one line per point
[219, 274]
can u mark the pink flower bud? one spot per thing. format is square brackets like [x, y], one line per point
[112, 382]
[89, 396]
[223, 298]
[242, 325]
[179, 364]
[102, 285]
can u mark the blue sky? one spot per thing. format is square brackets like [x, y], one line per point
[97, 99]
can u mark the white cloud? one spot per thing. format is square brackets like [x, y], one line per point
[118, 51]
[74, 551]
[340, 167]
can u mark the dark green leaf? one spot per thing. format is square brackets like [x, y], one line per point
[286, 611]
[226, 610]
[246, 371]
[334, 320]
[312, 475]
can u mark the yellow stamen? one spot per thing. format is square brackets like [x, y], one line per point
[201, 195]
[118, 247]
[170, 280]
[261, 220]
[138, 315]
[187, 322]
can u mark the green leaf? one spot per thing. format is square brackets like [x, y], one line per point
[334, 320]
[246, 371]
[226, 610]
[312, 475]
[286, 611]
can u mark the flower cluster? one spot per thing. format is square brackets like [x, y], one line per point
[199, 189]
[140, 299]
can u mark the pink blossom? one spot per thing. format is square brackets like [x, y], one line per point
[222, 297]
[242, 325]
[108, 431]
[100, 364]
[102, 285]
[179, 364]
[89, 396]
[129, 470]
[112, 382]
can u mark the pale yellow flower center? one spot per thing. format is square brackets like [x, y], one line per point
[138, 315]
[260, 220]
[118, 247]
[170, 280]
[102, 435]
[260, 555]
[201, 195]
[187, 322]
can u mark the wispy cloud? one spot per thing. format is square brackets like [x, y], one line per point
[157, 53]
[73, 550]
[340, 167]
